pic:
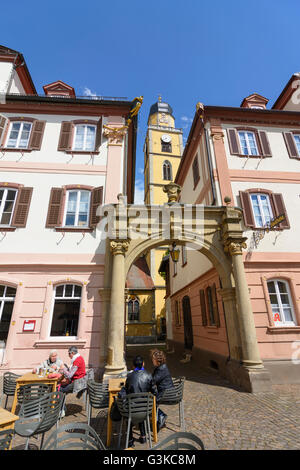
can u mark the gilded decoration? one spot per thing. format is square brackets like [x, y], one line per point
[235, 247]
[173, 190]
[119, 247]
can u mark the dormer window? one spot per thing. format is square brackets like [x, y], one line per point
[59, 89]
[254, 101]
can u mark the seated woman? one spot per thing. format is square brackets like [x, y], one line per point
[162, 379]
[53, 363]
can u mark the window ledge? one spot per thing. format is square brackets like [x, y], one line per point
[49, 343]
[4, 149]
[283, 329]
[83, 152]
[74, 229]
[251, 156]
[212, 329]
[7, 229]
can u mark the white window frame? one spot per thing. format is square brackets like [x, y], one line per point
[84, 149]
[4, 299]
[19, 134]
[297, 143]
[79, 191]
[64, 338]
[262, 215]
[279, 302]
[248, 143]
[2, 204]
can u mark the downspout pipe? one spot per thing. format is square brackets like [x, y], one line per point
[209, 159]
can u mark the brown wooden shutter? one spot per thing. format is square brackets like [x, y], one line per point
[55, 207]
[215, 305]
[264, 144]
[247, 209]
[3, 121]
[36, 136]
[234, 143]
[280, 209]
[22, 207]
[203, 307]
[290, 144]
[98, 135]
[96, 200]
[65, 138]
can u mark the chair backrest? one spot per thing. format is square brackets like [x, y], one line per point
[98, 394]
[175, 394]
[46, 409]
[74, 436]
[6, 436]
[136, 406]
[32, 391]
[9, 383]
[180, 441]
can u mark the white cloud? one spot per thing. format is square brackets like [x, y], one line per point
[187, 121]
[139, 192]
[88, 92]
[141, 171]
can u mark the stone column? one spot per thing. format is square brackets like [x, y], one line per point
[232, 323]
[115, 350]
[251, 357]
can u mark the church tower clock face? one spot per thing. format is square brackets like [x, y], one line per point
[166, 138]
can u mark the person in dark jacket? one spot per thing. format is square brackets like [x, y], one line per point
[139, 380]
[163, 380]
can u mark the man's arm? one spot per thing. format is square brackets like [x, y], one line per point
[68, 373]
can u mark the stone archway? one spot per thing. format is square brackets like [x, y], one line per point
[221, 240]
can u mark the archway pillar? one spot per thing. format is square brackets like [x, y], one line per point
[115, 345]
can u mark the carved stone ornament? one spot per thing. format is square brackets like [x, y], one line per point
[235, 247]
[173, 190]
[119, 247]
[115, 135]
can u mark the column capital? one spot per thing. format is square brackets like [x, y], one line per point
[235, 247]
[119, 247]
[115, 134]
[173, 191]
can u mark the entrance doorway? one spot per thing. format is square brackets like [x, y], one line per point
[187, 321]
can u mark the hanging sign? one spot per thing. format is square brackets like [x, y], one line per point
[276, 221]
[29, 325]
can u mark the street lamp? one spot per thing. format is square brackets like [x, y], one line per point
[174, 253]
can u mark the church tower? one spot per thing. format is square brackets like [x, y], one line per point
[163, 149]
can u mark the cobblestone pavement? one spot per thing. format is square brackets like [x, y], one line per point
[224, 417]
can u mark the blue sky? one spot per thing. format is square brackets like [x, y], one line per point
[187, 51]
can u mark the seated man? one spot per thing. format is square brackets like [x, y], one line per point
[139, 380]
[53, 363]
[74, 372]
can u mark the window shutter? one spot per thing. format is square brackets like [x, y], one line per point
[247, 209]
[203, 307]
[22, 207]
[96, 200]
[3, 121]
[98, 135]
[66, 133]
[234, 143]
[196, 174]
[290, 144]
[280, 209]
[55, 207]
[264, 144]
[36, 136]
[215, 305]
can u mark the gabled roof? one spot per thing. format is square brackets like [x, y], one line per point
[287, 92]
[139, 276]
[10, 55]
[59, 88]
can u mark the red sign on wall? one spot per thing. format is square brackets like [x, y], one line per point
[29, 325]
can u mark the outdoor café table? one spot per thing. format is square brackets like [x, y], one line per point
[114, 386]
[7, 420]
[31, 378]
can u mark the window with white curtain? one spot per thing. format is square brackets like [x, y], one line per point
[261, 208]
[77, 208]
[19, 134]
[281, 302]
[248, 143]
[84, 137]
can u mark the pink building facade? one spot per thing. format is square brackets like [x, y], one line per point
[249, 155]
[62, 157]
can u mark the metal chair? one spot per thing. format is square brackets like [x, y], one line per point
[5, 438]
[9, 385]
[174, 396]
[32, 391]
[180, 441]
[98, 397]
[38, 416]
[136, 408]
[74, 436]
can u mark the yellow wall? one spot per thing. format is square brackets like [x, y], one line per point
[146, 310]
